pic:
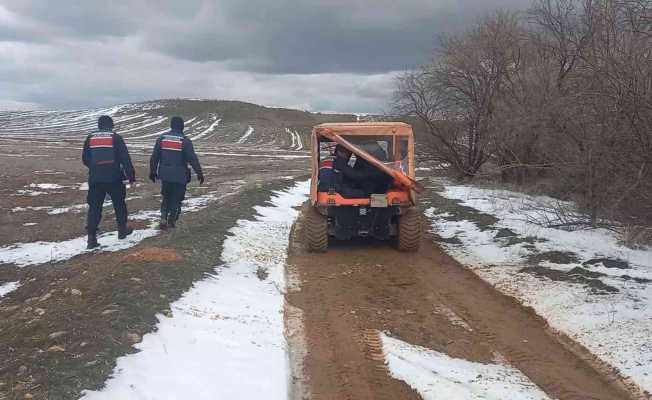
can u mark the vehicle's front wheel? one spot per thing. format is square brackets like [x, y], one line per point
[316, 231]
[409, 231]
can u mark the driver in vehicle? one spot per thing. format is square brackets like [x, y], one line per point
[362, 179]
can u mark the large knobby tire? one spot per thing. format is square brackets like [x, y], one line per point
[316, 231]
[409, 231]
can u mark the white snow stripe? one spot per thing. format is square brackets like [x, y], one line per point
[46, 186]
[207, 130]
[35, 253]
[281, 156]
[299, 141]
[8, 287]
[437, 376]
[188, 122]
[148, 135]
[57, 120]
[291, 136]
[225, 339]
[152, 122]
[244, 137]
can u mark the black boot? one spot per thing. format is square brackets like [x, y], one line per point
[173, 217]
[92, 241]
[163, 225]
[124, 231]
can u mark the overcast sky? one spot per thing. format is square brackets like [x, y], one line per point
[320, 55]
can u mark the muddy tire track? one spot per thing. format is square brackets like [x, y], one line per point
[354, 290]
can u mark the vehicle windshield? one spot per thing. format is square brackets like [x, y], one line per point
[392, 151]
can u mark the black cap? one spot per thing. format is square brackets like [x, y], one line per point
[105, 123]
[176, 123]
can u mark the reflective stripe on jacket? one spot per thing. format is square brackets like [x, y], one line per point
[171, 156]
[172, 166]
[107, 158]
[101, 148]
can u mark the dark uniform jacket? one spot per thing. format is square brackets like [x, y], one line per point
[363, 178]
[107, 158]
[171, 156]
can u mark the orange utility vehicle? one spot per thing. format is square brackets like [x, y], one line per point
[363, 184]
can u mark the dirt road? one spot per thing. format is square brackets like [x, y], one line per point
[356, 290]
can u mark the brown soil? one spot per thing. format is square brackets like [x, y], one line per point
[357, 289]
[153, 254]
[63, 328]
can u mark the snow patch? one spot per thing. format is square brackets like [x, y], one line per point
[281, 156]
[616, 327]
[8, 287]
[147, 124]
[24, 155]
[208, 130]
[225, 337]
[78, 208]
[46, 186]
[34, 253]
[30, 208]
[30, 193]
[452, 317]
[244, 137]
[437, 376]
[149, 135]
[297, 143]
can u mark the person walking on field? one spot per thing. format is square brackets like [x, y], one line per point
[172, 153]
[109, 165]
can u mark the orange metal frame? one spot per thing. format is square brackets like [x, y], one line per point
[394, 197]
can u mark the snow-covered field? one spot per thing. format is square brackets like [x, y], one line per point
[138, 124]
[34, 253]
[584, 283]
[225, 336]
[437, 376]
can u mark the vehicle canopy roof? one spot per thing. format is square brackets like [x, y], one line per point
[366, 128]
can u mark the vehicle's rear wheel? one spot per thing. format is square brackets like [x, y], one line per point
[316, 231]
[409, 231]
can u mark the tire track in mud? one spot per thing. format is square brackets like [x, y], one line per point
[353, 291]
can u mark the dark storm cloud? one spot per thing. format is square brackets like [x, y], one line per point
[147, 49]
[282, 36]
[81, 19]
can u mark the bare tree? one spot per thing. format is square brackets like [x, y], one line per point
[456, 96]
[562, 95]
